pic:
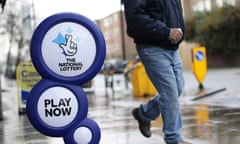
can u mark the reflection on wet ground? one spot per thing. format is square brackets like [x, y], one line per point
[212, 124]
[203, 124]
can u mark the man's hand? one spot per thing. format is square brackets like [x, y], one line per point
[175, 35]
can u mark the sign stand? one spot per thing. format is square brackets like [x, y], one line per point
[199, 64]
[67, 50]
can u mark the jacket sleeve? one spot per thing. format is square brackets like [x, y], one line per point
[141, 23]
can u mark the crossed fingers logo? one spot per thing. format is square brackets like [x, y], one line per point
[67, 44]
[70, 47]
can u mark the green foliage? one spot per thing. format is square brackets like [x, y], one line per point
[218, 30]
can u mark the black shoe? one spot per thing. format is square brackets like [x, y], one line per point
[143, 126]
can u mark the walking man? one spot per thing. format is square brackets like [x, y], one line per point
[157, 27]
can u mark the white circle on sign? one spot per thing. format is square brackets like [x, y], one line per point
[82, 135]
[57, 106]
[199, 56]
[68, 49]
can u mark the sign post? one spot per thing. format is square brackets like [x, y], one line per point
[67, 50]
[199, 64]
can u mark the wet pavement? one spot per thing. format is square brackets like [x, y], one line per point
[211, 120]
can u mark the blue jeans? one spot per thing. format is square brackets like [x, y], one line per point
[164, 68]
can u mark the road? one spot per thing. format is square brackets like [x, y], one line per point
[211, 120]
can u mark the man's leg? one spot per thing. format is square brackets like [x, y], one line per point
[159, 65]
[172, 134]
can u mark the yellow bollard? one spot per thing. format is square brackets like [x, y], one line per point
[199, 64]
[142, 86]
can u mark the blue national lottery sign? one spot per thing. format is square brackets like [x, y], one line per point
[67, 50]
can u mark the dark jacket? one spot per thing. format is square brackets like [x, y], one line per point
[149, 21]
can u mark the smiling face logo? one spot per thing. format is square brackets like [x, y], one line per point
[66, 43]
